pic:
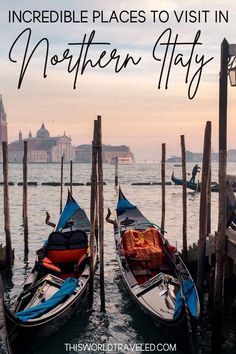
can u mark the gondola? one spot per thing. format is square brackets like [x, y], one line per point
[197, 186]
[58, 279]
[179, 182]
[152, 270]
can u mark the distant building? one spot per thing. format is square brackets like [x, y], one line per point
[42, 147]
[3, 122]
[83, 153]
[197, 157]
[231, 155]
[109, 152]
[46, 148]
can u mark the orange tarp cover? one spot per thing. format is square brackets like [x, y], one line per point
[144, 245]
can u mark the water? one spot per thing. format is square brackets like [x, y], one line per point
[123, 322]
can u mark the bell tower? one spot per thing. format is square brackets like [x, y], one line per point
[3, 122]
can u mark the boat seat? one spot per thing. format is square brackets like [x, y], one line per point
[48, 265]
[66, 256]
[145, 246]
[65, 252]
[141, 272]
[67, 240]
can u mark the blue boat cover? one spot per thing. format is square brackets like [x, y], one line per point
[124, 204]
[191, 299]
[65, 291]
[67, 213]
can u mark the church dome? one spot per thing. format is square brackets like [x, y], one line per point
[43, 133]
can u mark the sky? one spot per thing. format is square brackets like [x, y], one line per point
[134, 111]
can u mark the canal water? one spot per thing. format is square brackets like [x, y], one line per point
[123, 323]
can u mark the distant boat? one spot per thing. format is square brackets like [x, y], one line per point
[123, 160]
[197, 186]
[179, 182]
[177, 165]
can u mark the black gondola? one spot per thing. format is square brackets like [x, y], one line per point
[197, 186]
[152, 270]
[58, 279]
[179, 182]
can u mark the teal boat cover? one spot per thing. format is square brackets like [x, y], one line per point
[64, 292]
[191, 299]
[70, 209]
[124, 204]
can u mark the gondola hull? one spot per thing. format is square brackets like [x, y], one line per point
[28, 336]
[154, 290]
[58, 282]
[148, 301]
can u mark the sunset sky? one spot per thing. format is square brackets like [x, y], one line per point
[134, 111]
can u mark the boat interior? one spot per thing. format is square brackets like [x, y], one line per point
[64, 255]
[144, 252]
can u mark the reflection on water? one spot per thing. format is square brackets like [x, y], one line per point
[123, 321]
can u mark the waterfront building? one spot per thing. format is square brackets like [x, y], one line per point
[83, 153]
[42, 147]
[46, 148]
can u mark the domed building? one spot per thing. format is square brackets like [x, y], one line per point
[42, 133]
[42, 147]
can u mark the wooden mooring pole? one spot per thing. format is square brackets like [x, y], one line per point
[204, 209]
[61, 193]
[116, 171]
[71, 175]
[6, 204]
[163, 186]
[220, 237]
[209, 202]
[93, 203]
[101, 212]
[25, 198]
[184, 178]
